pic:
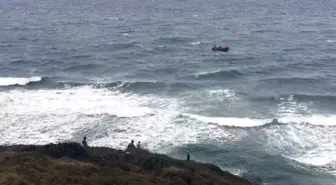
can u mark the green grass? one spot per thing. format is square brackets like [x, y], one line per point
[71, 164]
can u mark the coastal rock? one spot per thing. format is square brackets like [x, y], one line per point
[70, 163]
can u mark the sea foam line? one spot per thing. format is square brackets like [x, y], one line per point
[230, 121]
[6, 81]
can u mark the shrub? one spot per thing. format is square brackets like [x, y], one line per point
[72, 150]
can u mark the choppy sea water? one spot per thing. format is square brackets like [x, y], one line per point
[120, 70]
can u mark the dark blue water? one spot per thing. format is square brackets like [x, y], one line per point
[120, 70]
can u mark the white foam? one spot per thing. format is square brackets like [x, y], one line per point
[207, 72]
[195, 43]
[125, 34]
[212, 95]
[112, 18]
[331, 41]
[5, 81]
[326, 120]
[235, 171]
[291, 111]
[224, 93]
[290, 108]
[304, 143]
[322, 157]
[318, 149]
[44, 116]
[160, 46]
[85, 100]
[195, 15]
[227, 121]
[314, 158]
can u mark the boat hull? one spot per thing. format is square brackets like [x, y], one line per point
[221, 49]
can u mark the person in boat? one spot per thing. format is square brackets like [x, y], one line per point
[226, 46]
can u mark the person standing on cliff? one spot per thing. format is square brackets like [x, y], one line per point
[131, 145]
[84, 143]
[188, 154]
[138, 144]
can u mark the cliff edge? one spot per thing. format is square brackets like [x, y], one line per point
[71, 164]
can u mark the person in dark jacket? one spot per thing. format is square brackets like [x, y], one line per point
[131, 145]
[188, 154]
[84, 143]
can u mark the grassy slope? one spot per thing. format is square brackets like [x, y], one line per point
[71, 164]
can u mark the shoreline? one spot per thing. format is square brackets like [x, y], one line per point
[70, 163]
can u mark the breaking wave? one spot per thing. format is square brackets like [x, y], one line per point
[298, 97]
[10, 81]
[54, 82]
[218, 74]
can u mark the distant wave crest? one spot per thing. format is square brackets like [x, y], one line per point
[227, 121]
[219, 74]
[316, 120]
[54, 82]
[291, 80]
[325, 98]
[10, 81]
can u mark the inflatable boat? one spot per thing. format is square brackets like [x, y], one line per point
[225, 49]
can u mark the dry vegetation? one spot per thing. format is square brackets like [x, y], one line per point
[71, 164]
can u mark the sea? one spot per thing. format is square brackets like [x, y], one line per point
[143, 70]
